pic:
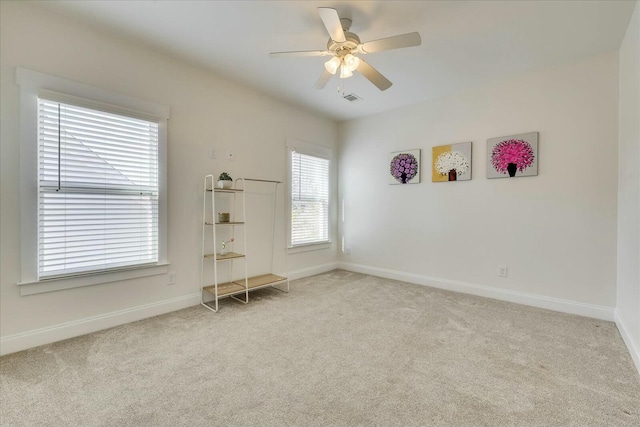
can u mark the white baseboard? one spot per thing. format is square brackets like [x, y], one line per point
[633, 347]
[62, 331]
[540, 301]
[37, 337]
[312, 271]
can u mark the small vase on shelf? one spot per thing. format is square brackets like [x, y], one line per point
[223, 249]
[225, 184]
[225, 181]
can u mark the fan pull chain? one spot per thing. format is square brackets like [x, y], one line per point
[340, 90]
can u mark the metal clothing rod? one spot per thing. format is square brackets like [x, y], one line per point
[261, 180]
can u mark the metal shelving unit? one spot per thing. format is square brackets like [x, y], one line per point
[232, 288]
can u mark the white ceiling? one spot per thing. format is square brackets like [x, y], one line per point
[464, 43]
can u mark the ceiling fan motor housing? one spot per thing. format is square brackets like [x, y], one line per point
[346, 47]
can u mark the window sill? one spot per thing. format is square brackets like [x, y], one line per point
[51, 285]
[309, 247]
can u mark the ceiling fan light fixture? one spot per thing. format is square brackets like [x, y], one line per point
[345, 72]
[332, 65]
[352, 62]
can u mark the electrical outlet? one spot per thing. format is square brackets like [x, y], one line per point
[212, 153]
[230, 156]
[502, 271]
[172, 278]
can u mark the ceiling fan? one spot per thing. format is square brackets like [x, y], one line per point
[344, 48]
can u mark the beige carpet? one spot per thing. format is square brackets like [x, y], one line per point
[340, 349]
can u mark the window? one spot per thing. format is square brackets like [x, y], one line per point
[97, 189]
[92, 185]
[309, 184]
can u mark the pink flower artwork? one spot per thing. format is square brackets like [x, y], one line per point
[511, 155]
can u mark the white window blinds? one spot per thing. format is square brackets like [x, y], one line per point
[309, 199]
[98, 190]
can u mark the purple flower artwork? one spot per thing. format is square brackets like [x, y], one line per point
[513, 156]
[404, 167]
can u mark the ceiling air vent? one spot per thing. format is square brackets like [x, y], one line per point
[351, 97]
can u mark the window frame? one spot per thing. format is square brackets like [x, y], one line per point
[316, 151]
[30, 84]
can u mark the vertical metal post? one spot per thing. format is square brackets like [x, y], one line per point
[244, 237]
[208, 179]
[284, 231]
[213, 236]
[204, 220]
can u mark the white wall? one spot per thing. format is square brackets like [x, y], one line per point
[206, 111]
[555, 232]
[628, 306]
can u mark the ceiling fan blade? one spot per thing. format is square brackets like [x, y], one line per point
[299, 53]
[395, 42]
[374, 76]
[331, 21]
[323, 80]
